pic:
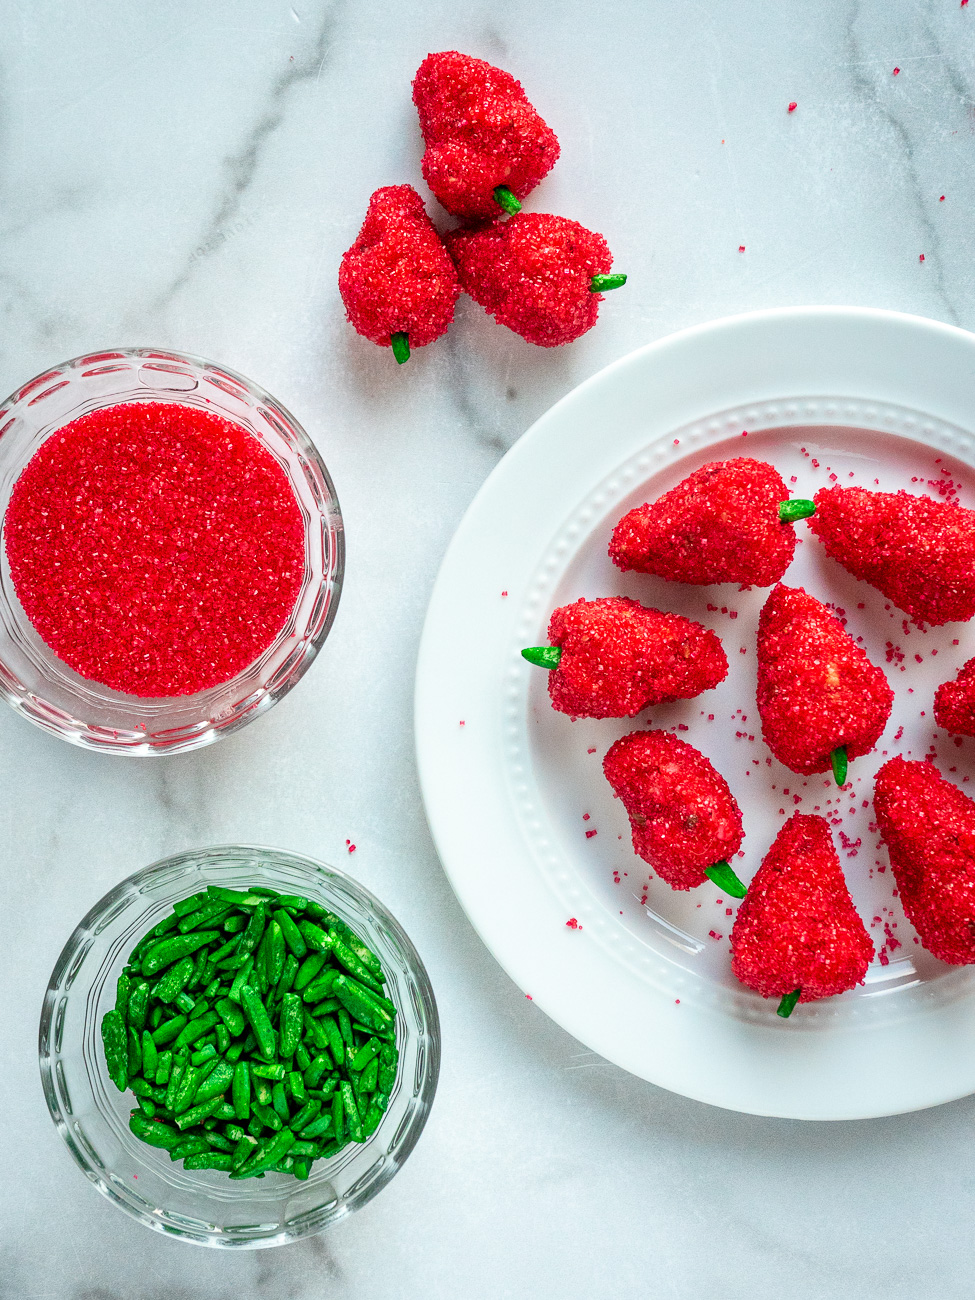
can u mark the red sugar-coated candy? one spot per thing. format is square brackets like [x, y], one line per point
[721, 524]
[156, 547]
[817, 689]
[532, 273]
[619, 657]
[682, 814]
[397, 277]
[480, 132]
[797, 927]
[928, 825]
[954, 702]
[919, 552]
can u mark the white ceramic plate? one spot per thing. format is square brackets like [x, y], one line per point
[514, 791]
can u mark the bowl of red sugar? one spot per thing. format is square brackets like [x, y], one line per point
[171, 554]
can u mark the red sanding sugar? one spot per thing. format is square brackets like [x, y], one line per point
[157, 548]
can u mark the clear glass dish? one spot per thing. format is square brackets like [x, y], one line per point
[92, 1116]
[44, 689]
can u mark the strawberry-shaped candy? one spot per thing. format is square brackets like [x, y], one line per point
[919, 552]
[540, 275]
[797, 935]
[397, 281]
[954, 702]
[486, 146]
[684, 819]
[821, 700]
[612, 657]
[928, 825]
[729, 521]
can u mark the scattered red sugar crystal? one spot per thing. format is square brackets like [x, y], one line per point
[480, 132]
[919, 552]
[928, 825]
[921, 257]
[793, 106]
[533, 273]
[157, 548]
[397, 277]
[954, 702]
[573, 924]
[741, 248]
[683, 816]
[797, 927]
[817, 689]
[619, 657]
[721, 524]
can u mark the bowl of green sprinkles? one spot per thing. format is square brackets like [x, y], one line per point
[239, 1046]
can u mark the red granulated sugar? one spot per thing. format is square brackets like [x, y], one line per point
[721, 524]
[793, 106]
[683, 816]
[157, 548]
[619, 657]
[797, 927]
[928, 825]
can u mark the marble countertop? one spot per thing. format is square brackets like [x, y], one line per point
[188, 175]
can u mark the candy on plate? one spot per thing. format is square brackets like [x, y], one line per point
[928, 825]
[729, 521]
[821, 700]
[797, 935]
[613, 657]
[685, 821]
[919, 552]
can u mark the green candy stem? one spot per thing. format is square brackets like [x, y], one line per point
[504, 197]
[603, 283]
[797, 508]
[840, 763]
[788, 1004]
[544, 656]
[723, 876]
[400, 343]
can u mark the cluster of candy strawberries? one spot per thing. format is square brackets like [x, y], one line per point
[797, 936]
[486, 149]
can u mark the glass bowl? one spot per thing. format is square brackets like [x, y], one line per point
[92, 1116]
[44, 689]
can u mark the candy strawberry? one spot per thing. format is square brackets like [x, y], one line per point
[797, 935]
[397, 281]
[928, 825]
[612, 657]
[919, 552]
[820, 698]
[728, 522]
[486, 146]
[540, 275]
[684, 819]
[954, 702]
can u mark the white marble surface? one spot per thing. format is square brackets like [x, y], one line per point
[189, 175]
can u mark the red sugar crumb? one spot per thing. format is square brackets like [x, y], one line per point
[942, 199]
[352, 848]
[921, 257]
[573, 924]
[896, 71]
[529, 997]
[585, 817]
[504, 593]
[590, 834]
[462, 723]
[714, 934]
[591, 749]
[793, 106]
[741, 248]
[157, 548]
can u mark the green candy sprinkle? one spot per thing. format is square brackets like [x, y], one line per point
[726, 879]
[254, 1031]
[543, 656]
[788, 1004]
[840, 763]
[400, 343]
[504, 198]
[604, 283]
[796, 508]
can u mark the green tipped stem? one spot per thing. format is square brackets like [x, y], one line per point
[788, 1004]
[841, 763]
[504, 197]
[797, 508]
[544, 656]
[400, 343]
[603, 283]
[723, 876]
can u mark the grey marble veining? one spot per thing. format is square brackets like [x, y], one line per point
[189, 175]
